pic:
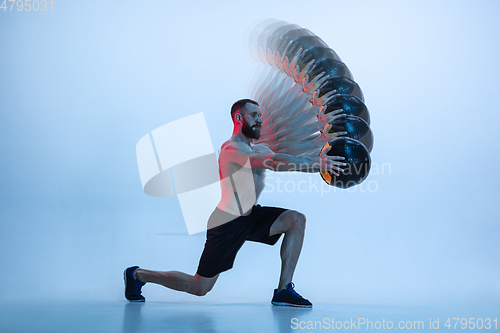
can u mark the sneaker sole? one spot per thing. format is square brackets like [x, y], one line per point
[125, 280]
[290, 304]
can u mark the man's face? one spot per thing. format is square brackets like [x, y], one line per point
[251, 121]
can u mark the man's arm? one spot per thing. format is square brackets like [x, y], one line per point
[264, 158]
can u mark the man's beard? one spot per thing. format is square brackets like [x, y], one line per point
[253, 132]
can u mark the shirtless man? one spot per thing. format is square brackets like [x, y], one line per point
[238, 218]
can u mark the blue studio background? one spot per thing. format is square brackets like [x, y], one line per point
[80, 85]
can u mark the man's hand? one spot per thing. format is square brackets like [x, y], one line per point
[319, 101]
[299, 76]
[326, 118]
[325, 132]
[331, 163]
[289, 66]
[312, 86]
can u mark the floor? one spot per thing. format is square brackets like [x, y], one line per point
[150, 317]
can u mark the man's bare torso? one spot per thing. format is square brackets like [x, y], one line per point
[241, 185]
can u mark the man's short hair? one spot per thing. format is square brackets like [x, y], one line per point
[240, 105]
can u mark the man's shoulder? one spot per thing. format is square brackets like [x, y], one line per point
[231, 145]
[238, 145]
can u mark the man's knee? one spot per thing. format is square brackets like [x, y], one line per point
[200, 287]
[201, 291]
[297, 221]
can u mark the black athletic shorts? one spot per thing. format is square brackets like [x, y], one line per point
[223, 242]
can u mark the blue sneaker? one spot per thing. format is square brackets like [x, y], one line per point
[289, 297]
[132, 285]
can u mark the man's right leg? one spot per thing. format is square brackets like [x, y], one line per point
[195, 285]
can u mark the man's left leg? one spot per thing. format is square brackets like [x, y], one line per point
[293, 225]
